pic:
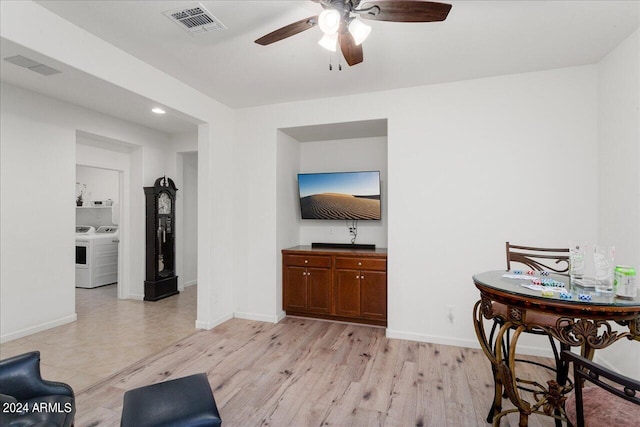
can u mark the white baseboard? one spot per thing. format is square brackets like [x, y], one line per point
[411, 336]
[38, 328]
[201, 324]
[258, 317]
[136, 297]
[182, 286]
[281, 315]
[469, 343]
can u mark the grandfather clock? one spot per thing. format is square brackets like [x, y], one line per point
[161, 276]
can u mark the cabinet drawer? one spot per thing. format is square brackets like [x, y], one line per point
[362, 263]
[308, 261]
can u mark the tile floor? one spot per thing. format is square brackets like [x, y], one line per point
[110, 335]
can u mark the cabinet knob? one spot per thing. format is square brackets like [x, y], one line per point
[357, 277]
[306, 261]
[362, 277]
[308, 274]
[359, 263]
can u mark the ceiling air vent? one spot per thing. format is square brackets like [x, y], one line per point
[195, 19]
[32, 65]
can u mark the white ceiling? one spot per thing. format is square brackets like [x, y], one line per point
[478, 39]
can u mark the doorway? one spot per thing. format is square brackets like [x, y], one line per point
[98, 203]
[98, 161]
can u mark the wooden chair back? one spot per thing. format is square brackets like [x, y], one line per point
[540, 259]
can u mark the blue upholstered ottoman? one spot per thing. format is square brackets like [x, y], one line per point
[182, 402]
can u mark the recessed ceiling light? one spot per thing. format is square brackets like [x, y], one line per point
[158, 110]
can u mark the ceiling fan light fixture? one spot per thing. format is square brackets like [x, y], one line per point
[329, 42]
[359, 30]
[329, 21]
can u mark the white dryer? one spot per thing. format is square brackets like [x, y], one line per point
[96, 256]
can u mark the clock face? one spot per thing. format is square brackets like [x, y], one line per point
[164, 204]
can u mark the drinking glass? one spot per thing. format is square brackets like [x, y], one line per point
[576, 260]
[603, 257]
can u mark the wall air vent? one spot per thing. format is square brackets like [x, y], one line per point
[195, 19]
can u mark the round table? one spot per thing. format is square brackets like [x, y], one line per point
[578, 323]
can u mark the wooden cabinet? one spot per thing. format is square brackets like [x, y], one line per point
[373, 295]
[308, 280]
[338, 284]
[295, 293]
[347, 286]
[361, 287]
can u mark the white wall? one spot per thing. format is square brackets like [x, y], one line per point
[470, 165]
[619, 157]
[101, 184]
[216, 216]
[287, 168]
[190, 223]
[97, 184]
[182, 168]
[37, 190]
[358, 154]
[476, 164]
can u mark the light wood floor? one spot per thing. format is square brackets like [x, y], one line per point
[110, 335]
[304, 372]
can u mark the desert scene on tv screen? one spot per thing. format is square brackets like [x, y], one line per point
[340, 196]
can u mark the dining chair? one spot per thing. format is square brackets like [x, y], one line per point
[554, 260]
[613, 400]
[540, 259]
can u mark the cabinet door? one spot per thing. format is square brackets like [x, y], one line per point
[295, 290]
[319, 290]
[373, 292]
[347, 293]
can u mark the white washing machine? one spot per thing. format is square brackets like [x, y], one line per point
[84, 229]
[96, 256]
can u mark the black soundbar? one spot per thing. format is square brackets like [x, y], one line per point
[344, 245]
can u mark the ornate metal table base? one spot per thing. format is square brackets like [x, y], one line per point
[589, 331]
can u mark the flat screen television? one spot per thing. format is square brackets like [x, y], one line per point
[340, 195]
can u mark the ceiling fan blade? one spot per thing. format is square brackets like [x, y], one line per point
[404, 11]
[352, 53]
[288, 30]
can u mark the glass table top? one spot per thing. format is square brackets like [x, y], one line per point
[496, 280]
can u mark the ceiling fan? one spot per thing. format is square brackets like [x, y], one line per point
[340, 21]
